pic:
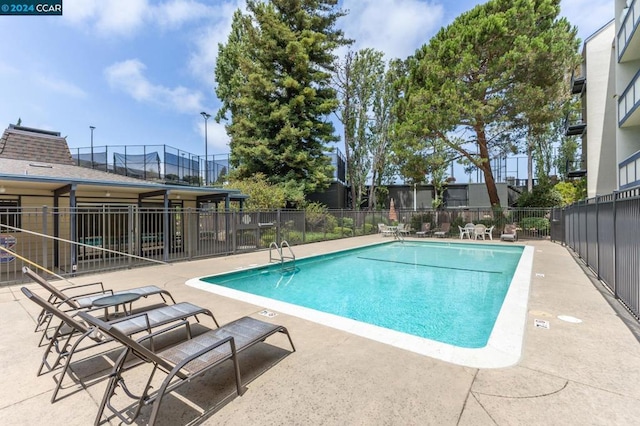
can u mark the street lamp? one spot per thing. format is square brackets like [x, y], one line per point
[206, 142]
[92, 129]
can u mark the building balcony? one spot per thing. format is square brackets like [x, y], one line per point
[629, 171]
[574, 125]
[578, 84]
[628, 112]
[628, 37]
[576, 169]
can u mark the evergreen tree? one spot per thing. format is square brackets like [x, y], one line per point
[484, 81]
[273, 78]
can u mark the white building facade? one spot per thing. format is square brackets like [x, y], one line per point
[627, 79]
[608, 83]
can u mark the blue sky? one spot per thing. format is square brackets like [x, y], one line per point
[141, 71]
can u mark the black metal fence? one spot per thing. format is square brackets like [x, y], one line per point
[88, 239]
[605, 233]
[169, 164]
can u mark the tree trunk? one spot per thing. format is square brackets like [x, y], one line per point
[492, 191]
[529, 167]
[372, 192]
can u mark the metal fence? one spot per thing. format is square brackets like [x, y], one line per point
[169, 164]
[70, 241]
[605, 233]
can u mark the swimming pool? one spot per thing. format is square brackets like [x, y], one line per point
[453, 301]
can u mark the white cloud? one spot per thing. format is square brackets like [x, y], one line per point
[202, 60]
[217, 138]
[128, 76]
[395, 27]
[122, 17]
[77, 12]
[59, 86]
[176, 13]
[109, 17]
[129, 17]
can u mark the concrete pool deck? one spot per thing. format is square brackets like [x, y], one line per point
[571, 373]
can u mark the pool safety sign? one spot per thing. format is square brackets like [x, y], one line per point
[8, 242]
[539, 323]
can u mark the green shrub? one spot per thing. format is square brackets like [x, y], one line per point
[311, 237]
[317, 218]
[346, 222]
[342, 230]
[539, 223]
[541, 196]
[293, 237]
[458, 221]
[267, 237]
[567, 191]
[418, 219]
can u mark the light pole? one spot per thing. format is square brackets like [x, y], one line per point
[206, 143]
[92, 129]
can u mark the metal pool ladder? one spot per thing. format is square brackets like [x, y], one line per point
[281, 257]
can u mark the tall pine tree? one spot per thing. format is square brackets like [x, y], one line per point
[274, 80]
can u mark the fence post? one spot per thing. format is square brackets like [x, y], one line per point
[188, 238]
[45, 254]
[73, 228]
[130, 238]
[278, 227]
[234, 242]
[598, 236]
[615, 247]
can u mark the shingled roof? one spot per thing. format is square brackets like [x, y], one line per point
[24, 143]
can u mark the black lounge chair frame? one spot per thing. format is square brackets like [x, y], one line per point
[63, 346]
[182, 362]
[82, 300]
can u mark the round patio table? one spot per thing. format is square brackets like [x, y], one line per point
[116, 300]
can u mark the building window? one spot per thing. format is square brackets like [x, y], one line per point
[9, 214]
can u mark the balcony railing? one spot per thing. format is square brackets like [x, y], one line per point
[628, 101]
[574, 125]
[578, 83]
[629, 172]
[575, 169]
[628, 29]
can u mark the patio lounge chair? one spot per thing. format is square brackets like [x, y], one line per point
[385, 230]
[403, 229]
[426, 229]
[70, 333]
[510, 233]
[182, 362]
[84, 300]
[443, 231]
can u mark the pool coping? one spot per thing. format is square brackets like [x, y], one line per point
[503, 349]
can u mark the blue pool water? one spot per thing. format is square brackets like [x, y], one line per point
[451, 293]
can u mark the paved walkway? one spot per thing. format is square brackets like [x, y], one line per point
[570, 374]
